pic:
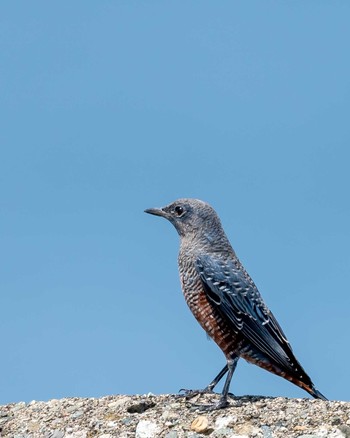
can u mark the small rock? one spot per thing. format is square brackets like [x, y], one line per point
[33, 426]
[200, 424]
[238, 436]
[323, 432]
[146, 429]
[170, 418]
[56, 434]
[345, 430]
[168, 415]
[141, 407]
[74, 407]
[336, 434]
[19, 406]
[78, 434]
[310, 436]
[223, 432]
[116, 404]
[300, 428]
[267, 432]
[111, 424]
[77, 414]
[174, 405]
[171, 434]
[246, 430]
[222, 422]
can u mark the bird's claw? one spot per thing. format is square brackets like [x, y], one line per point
[190, 393]
[221, 404]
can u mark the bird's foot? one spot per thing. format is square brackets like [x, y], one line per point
[221, 404]
[190, 393]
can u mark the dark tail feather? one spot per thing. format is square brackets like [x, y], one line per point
[317, 394]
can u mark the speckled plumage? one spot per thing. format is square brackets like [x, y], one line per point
[224, 299]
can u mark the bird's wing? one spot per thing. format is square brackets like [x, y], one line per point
[239, 303]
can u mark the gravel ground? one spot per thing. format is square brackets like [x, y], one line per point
[169, 416]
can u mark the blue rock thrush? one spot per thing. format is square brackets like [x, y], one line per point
[225, 301]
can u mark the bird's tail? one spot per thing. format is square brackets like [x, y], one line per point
[310, 388]
[317, 394]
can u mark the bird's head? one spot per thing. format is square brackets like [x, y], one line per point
[191, 217]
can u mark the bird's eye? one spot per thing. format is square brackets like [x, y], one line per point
[179, 210]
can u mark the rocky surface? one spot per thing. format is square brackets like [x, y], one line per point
[170, 416]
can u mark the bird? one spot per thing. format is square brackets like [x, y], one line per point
[226, 302]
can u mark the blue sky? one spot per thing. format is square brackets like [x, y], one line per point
[108, 108]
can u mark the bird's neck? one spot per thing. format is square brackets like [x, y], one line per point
[205, 242]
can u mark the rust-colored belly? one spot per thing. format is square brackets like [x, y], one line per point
[207, 316]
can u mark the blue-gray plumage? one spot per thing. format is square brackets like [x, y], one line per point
[225, 300]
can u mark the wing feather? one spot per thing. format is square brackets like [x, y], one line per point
[237, 299]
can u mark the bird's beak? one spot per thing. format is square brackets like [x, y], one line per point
[156, 211]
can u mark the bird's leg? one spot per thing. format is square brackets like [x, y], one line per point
[217, 379]
[222, 403]
[189, 393]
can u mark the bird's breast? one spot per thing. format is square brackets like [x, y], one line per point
[202, 309]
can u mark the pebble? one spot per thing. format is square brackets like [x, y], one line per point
[223, 432]
[19, 406]
[115, 404]
[141, 407]
[200, 424]
[222, 422]
[267, 432]
[310, 436]
[147, 429]
[111, 424]
[78, 434]
[77, 414]
[169, 416]
[239, 436]
[345, 430]
[171, 434]
[57, 434]
[73, 408]
[336, 434]
[33, 426]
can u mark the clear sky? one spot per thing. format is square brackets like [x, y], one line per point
[111, 107]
